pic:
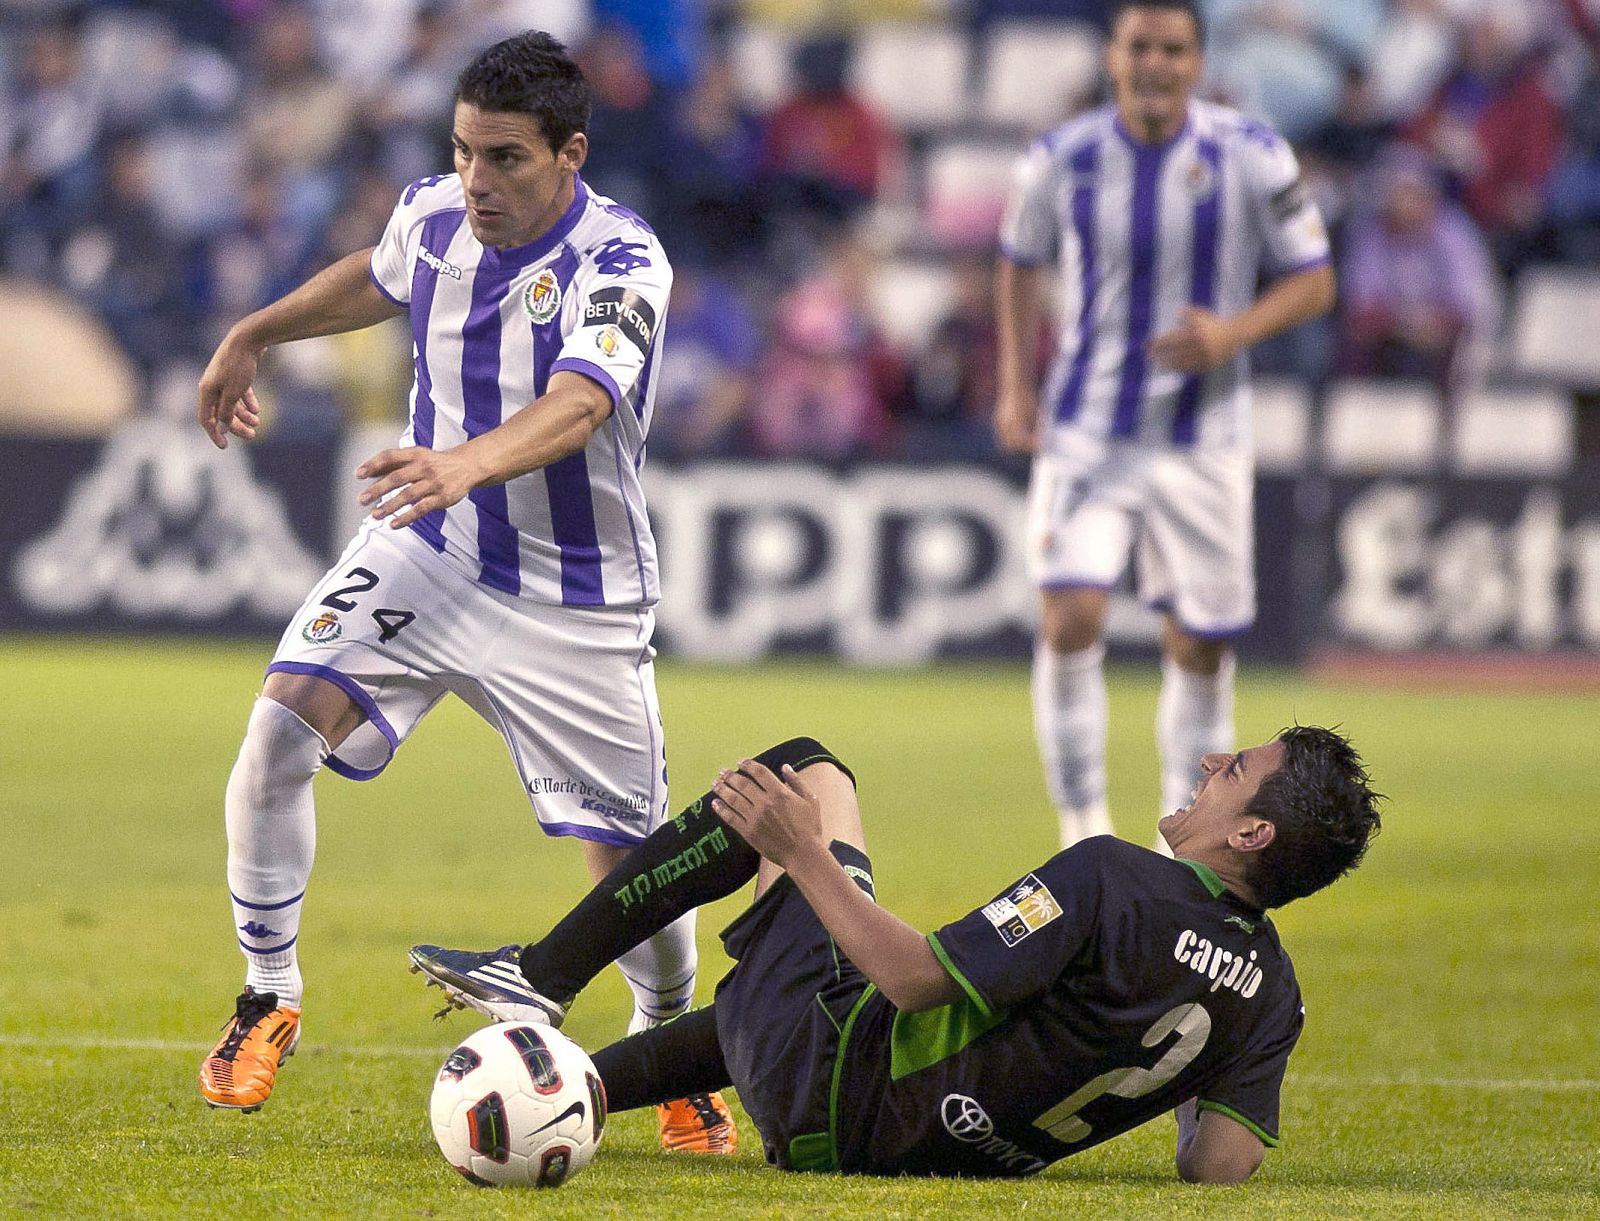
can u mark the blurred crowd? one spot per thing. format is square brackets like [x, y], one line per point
[174, 164]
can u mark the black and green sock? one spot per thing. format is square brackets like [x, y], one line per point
[673, 1061]
[690, 860]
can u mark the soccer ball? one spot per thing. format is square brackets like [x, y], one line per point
[518, 1104]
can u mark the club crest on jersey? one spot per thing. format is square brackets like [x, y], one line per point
[323, 629]
[1200, 179]
[608, 340]
[542, 298]
[1025, 909]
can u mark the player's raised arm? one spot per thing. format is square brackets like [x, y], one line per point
[558, 423]
[337, 299]
[780, 817]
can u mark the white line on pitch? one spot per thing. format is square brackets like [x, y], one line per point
[90, 1043]
[1451, 1083]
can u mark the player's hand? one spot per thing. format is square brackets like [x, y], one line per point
[1016, 422]
[1198, 344]
[426, 479]
[227, 398]
[776, 814]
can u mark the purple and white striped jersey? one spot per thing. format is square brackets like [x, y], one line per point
[489, 326]
[1141, 231]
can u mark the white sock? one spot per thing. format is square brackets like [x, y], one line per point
[661, 973]
[272, 838]
[1069, 719]
[1194, 717]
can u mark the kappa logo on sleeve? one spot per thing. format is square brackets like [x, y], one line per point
[1290, 201]
[1025, 909]
[442, 266]
[618, 258]
[622, 309]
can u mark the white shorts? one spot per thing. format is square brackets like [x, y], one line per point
[571, 689]
[1185, 516]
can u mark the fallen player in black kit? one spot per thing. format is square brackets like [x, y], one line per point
[1106, 986]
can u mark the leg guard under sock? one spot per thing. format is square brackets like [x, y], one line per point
[272, 840]
[1069, 715]
[661, 973]
[1194, 717]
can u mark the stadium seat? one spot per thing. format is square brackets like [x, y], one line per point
[965, 189]
[1035, 74]
[1282, 412]
[1514, 432]
[65, 374]
[1557, 319]
[916, 75]
[1374, 426]
[763, 69]
[909, 297]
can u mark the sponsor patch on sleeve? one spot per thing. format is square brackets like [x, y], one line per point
[625, 310]
[1027, 908]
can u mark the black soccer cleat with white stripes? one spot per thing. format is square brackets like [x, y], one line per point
[489, 982]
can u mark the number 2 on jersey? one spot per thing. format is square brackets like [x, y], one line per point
[339, 599]
[1192, 1025]
[389, 621]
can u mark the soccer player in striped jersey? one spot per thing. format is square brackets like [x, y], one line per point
[1162, 214]
[508, 558]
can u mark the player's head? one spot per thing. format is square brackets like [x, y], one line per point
[1155, 59]
[530, 74]
[1285, 818]
[1323, 813]
[522, 107]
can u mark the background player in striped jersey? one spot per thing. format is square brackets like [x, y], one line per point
[1163, 213]
[508, 557]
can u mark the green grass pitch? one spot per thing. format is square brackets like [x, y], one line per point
[1449, 1068]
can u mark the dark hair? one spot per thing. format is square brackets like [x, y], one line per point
[1323, 810]
[529, 73]
[1192, 7]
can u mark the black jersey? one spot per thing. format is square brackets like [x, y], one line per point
[1102, 989]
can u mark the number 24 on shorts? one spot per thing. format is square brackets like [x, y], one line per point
[389, 621]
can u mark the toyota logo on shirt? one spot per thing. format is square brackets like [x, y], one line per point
[965, 1119]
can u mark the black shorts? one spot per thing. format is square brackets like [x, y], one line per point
[780, 1013]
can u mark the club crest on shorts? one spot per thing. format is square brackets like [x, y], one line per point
[608, 340]
[542, 298]
[324, 629]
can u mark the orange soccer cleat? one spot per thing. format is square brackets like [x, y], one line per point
[700, 1123]
[261, 1034]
